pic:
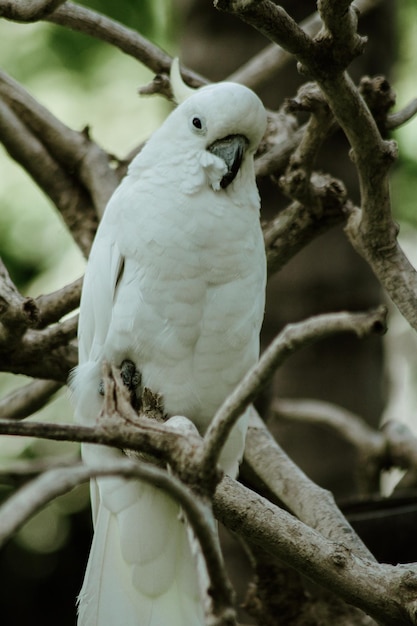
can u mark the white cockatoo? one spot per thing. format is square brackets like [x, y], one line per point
[174, 287]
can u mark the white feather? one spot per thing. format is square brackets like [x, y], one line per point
[175, 282]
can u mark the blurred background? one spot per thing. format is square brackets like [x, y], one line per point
[86, 82]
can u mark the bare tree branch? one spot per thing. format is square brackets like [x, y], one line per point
[393, 446]
[348, 425]
[310, 503]
[298, 224]
[395, 120]
[22, 11]
[292, 338]
[129, 41]
[28, 399]
[27, 344]
[263, 66]
[71, 199]
[370, 229]
[53, 306]
[35, 495]
[385, 592]
[17, 312]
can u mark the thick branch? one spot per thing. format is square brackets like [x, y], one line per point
[385, 592]
[310, 503]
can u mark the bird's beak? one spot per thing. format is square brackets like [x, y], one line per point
[231, 149]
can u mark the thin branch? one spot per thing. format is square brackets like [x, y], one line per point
[292, 338]
[28, 399]
[129, 41]
[35, 495]
[399, 118]
[392, 446]
[130, 431]
[346, 424]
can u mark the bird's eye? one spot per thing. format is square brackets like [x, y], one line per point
[198, 124]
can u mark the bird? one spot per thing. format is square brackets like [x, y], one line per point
[174, 293]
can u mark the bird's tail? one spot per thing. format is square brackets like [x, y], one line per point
[140, 571]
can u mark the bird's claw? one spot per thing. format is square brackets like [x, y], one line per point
[131, 378]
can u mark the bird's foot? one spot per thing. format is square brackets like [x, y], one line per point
[131, 378]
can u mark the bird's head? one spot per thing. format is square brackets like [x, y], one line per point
[221, 124]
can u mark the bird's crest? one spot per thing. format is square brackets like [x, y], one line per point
[180, 89]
